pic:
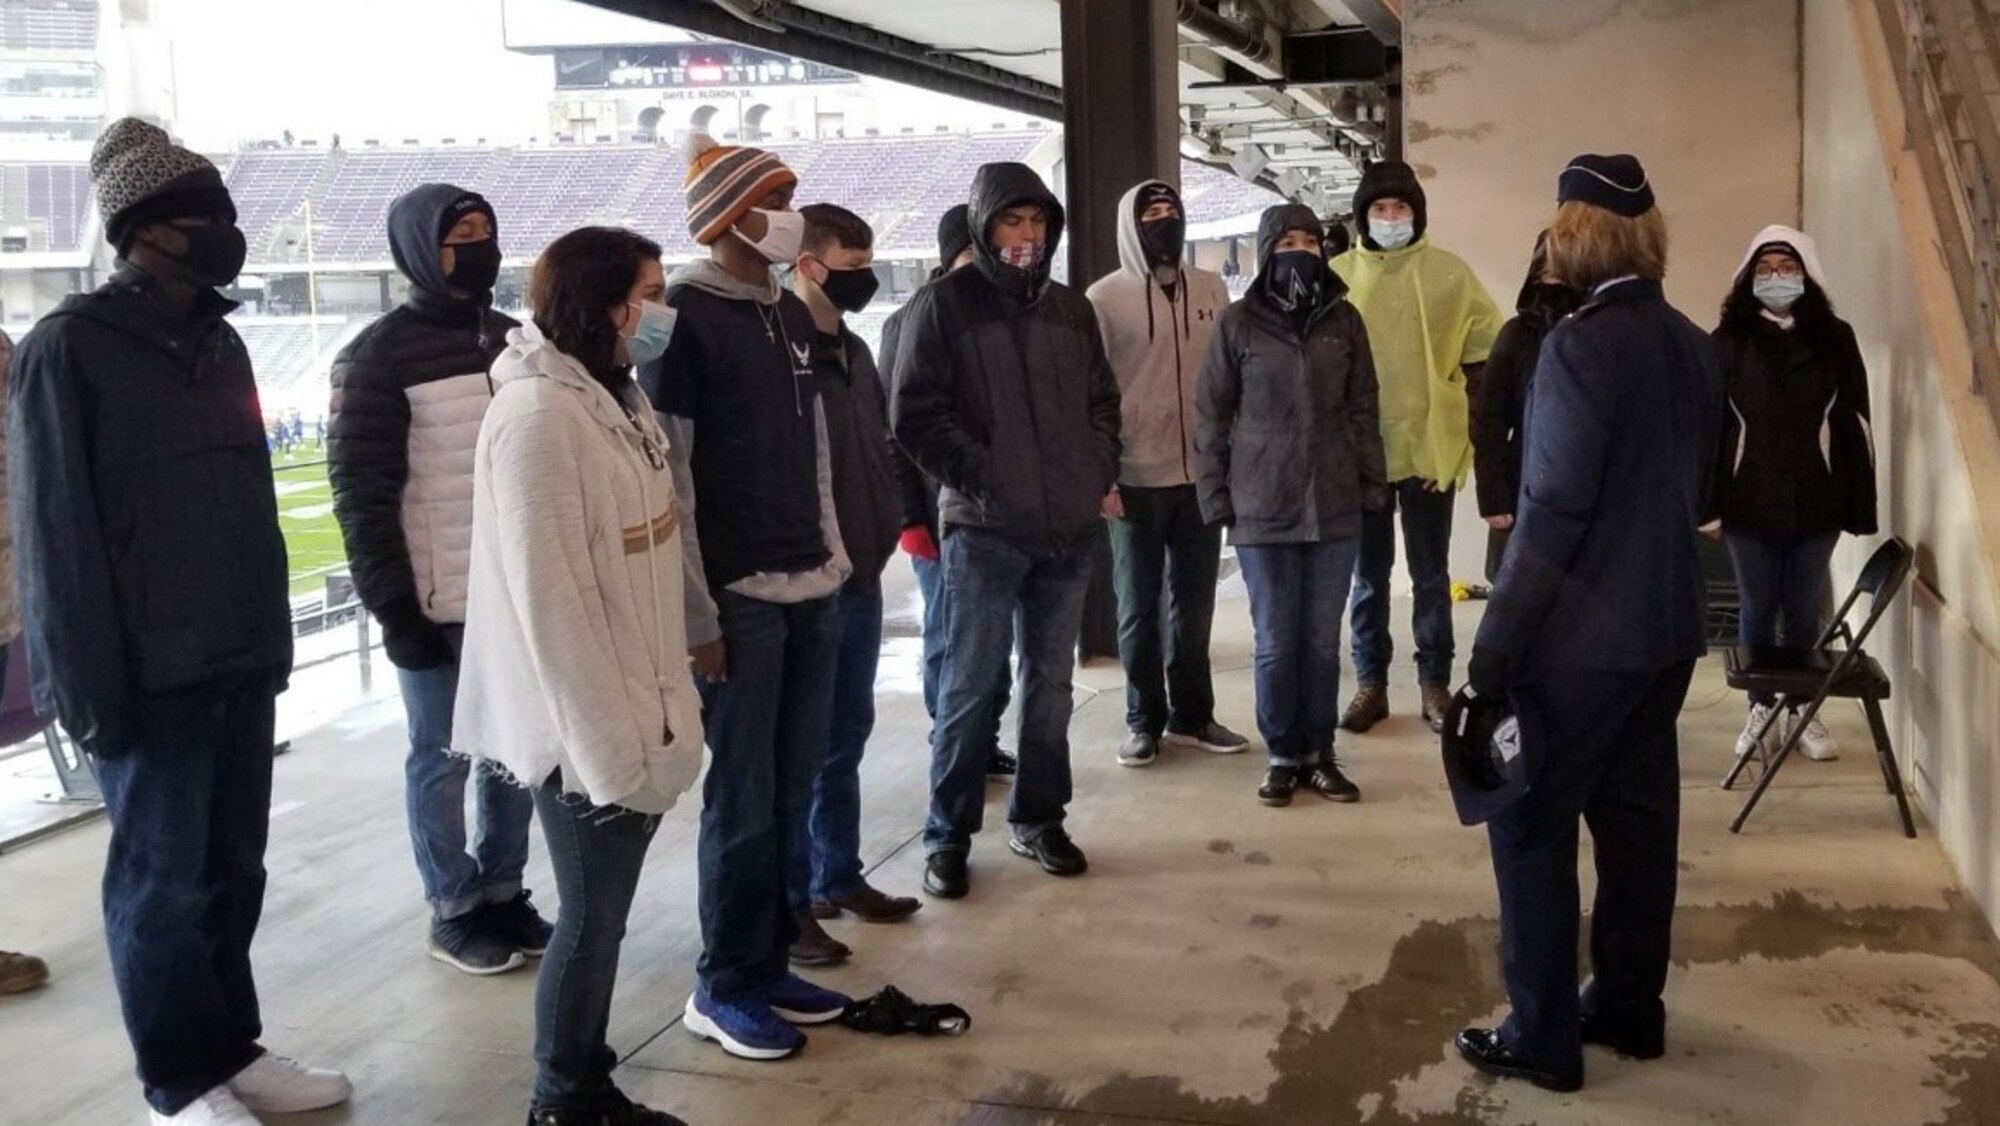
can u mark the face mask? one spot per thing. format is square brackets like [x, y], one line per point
[1023, 256]
[215, 253]
[850, 290]
[1392, 234]
[1164, 240]
[651, 332]
[475, 266]
[1295, 279]
[1778, 294]
[784, 231]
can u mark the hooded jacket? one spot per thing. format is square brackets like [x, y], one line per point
[1429, 319]
[918, 490]
[1501, 399]
[865, 494]
[1155, 340]
[576, 648]
[1002, 390]
[408, 396]
[1797, 454]
[1288, 446]
[145, 519]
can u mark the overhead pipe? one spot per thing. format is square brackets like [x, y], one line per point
[1209, 24]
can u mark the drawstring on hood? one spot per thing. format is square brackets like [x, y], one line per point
[417, 229]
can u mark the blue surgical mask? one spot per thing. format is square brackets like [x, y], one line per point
[1392, 234]
[1777, 293]
[651, 333]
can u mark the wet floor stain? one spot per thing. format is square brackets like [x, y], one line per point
[1442, 975]
[1259, 859]
[1265, 922]
[1221, 847]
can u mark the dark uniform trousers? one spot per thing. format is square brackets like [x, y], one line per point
[1610, 755]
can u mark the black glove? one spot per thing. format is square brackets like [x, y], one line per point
[415, 643]
[1488, 672]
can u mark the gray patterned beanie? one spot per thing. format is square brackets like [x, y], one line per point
[142, 178]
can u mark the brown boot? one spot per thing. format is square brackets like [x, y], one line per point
[1369, 707]
[871, 906]
[815, 947]
[20, 973]
[1437, 701]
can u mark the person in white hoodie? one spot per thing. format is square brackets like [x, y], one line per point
[575, 676]
[1156, 313]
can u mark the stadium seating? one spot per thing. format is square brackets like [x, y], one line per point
[49, 25]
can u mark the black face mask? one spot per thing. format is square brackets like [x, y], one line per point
[851, 290]
[215, 253]
[475, 266]
[1164, 240]
[1295, 279]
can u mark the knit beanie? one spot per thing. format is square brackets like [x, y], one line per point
[1618, 184]
[1390, 179]
[725, 181]
[143, 177]
[954, 233]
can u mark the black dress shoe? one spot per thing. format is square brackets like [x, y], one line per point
[1484, 1049]
[945, 876]
[1633, 1043]
[1054, 851]
[1279, 782]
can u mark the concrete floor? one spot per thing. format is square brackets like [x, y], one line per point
[1221, 963]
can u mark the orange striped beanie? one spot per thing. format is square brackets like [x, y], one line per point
[725, 181]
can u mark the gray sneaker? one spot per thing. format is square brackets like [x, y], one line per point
[1215, 739]
[1139, 749]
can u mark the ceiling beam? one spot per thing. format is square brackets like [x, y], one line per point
[1382, 17]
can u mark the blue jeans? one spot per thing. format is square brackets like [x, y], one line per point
[455, 882]
[597, 854]
[1297, 592]
[190, 810]
[997, 590]
[826, 849]
[1427, 540]
[1163, 543]
[930, 579]
[1781, 584]
[767, 727]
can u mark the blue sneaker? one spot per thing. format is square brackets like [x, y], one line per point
[801, 1002]
[746, 1029]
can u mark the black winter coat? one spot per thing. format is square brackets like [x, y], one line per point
[1501, 399]
[865, 499]
[146, 532]
[1797, 455]
[918, 490]
[1002, 389]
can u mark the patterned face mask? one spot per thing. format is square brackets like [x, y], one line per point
[1024, 256]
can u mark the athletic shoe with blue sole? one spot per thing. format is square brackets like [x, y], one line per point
[801, 1002]
[748, 1030]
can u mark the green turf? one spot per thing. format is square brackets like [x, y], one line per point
[305, 512]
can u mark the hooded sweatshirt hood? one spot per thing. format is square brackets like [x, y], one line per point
[1270, 229]
[707, 275]
[531, 355]
[417, 227]
[1390, 179]
[1132, 257]
[1545, 301]
[998, 187]
[1777, 237]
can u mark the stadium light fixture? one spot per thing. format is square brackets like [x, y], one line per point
[1248, 162]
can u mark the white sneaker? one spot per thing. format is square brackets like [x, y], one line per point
[276, 1085]
[1817, 744]
[1747, 742]
[217, 1108]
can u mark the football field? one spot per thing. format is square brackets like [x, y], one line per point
[305, 512]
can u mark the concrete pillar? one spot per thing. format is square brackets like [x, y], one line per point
[1121, 125]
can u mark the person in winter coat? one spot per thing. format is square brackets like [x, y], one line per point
[408, 396]
[1502, 397]
[574, 680]
[920, 511]
[19, 973]
[1431, 325]
[1796, 466]
[753, 467]
[835, 276]
[1157, 313]
[1003, 393]
[153, 594]
[1289, 457]
[1592, 636]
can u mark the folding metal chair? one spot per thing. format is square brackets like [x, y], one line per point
[1823, 673]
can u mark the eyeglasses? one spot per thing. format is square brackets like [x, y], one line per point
[1789, 273]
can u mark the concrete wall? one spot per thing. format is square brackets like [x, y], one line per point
[1502, 93]
[1939, 647]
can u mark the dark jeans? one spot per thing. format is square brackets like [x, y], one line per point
[998, 590]
[826, 849]
[930, 579]
[597, 853]
[767, 728]
[1427, 540]
[457, 882]
[1163, 542]
[190, 810]
[1609, 754]
[1297, 592]
[1781, 583]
